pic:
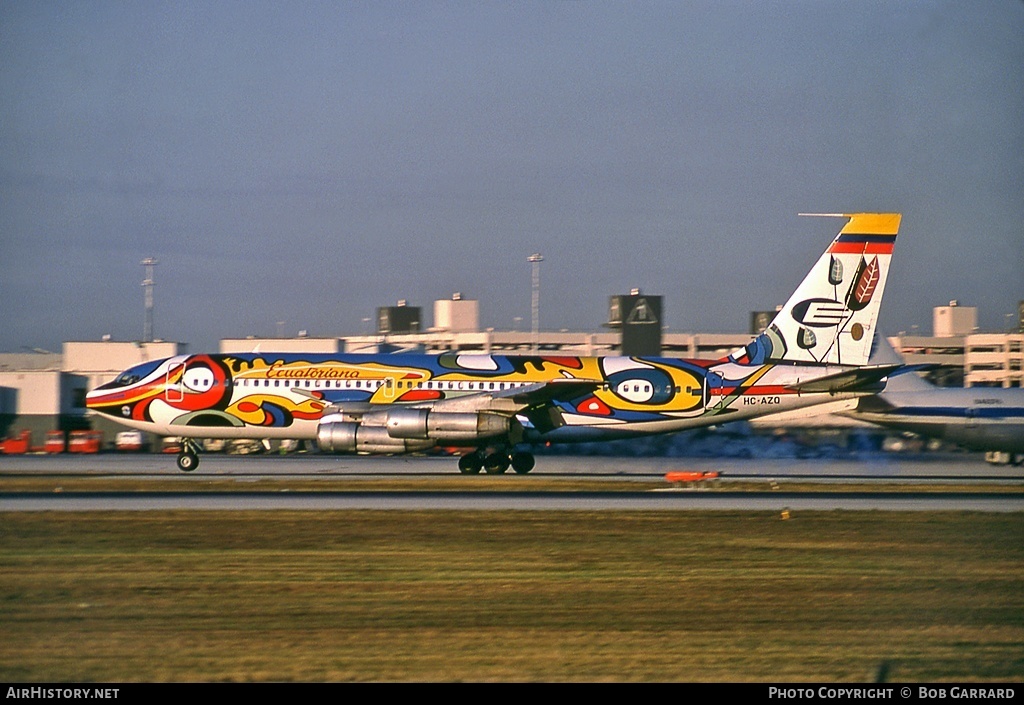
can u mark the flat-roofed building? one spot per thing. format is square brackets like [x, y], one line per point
[96, 362]
[456, 315]
[39, 401]
[301, 344]
[954, 320]
[994, 360]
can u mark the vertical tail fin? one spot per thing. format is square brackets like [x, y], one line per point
[831, 316]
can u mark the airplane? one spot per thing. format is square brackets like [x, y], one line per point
[988, 419]
[497, 406]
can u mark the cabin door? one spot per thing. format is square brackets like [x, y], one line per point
[713, 391]
[174, 384]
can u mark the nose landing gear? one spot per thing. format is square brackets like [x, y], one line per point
[188, 459]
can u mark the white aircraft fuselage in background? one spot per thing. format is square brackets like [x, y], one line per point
[989, 419]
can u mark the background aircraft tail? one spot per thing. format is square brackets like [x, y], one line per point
[831, 316]
[905, 379]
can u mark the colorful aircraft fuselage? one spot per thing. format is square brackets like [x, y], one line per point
[815, 350]
[285, 395]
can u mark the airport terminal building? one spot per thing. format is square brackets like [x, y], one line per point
[42, 392]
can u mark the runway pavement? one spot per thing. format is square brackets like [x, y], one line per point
[521, 492]
[880, 466]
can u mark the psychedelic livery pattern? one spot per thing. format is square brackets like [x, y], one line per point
[496, 406]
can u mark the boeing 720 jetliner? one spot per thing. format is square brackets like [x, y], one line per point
[497, 406]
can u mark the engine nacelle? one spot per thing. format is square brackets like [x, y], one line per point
[445, 426]
[350, 411]
[349, 437]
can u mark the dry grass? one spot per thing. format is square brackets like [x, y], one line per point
[510, 596]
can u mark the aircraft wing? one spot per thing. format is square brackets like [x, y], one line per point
[534, 401]
[866, 379]
[517, 399]
[554, 390]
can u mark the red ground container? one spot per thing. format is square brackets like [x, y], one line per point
[85, 442]
[18, 444]
[55, 442]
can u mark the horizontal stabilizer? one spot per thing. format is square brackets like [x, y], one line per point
[862, 379]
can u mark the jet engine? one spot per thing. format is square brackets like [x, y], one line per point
[445, 426]
[349, 437]
[402, 430]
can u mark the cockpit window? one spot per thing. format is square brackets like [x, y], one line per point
[133, 375]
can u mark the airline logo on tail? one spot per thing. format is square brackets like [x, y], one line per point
[831, 316]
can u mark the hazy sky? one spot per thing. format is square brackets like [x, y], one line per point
[307, 162]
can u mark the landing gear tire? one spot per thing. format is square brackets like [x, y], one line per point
[522, 463]
[470, 464]
[496, 463]
[188, 461]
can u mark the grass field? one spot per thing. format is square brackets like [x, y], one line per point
[511, 596]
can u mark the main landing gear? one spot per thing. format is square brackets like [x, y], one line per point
[495, 462]
[188, 459]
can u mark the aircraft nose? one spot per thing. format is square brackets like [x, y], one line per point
[100, 399]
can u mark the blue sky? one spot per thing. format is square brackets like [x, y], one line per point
[307, 162]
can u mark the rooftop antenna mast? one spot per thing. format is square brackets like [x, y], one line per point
[147, 285]
[535, 259]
